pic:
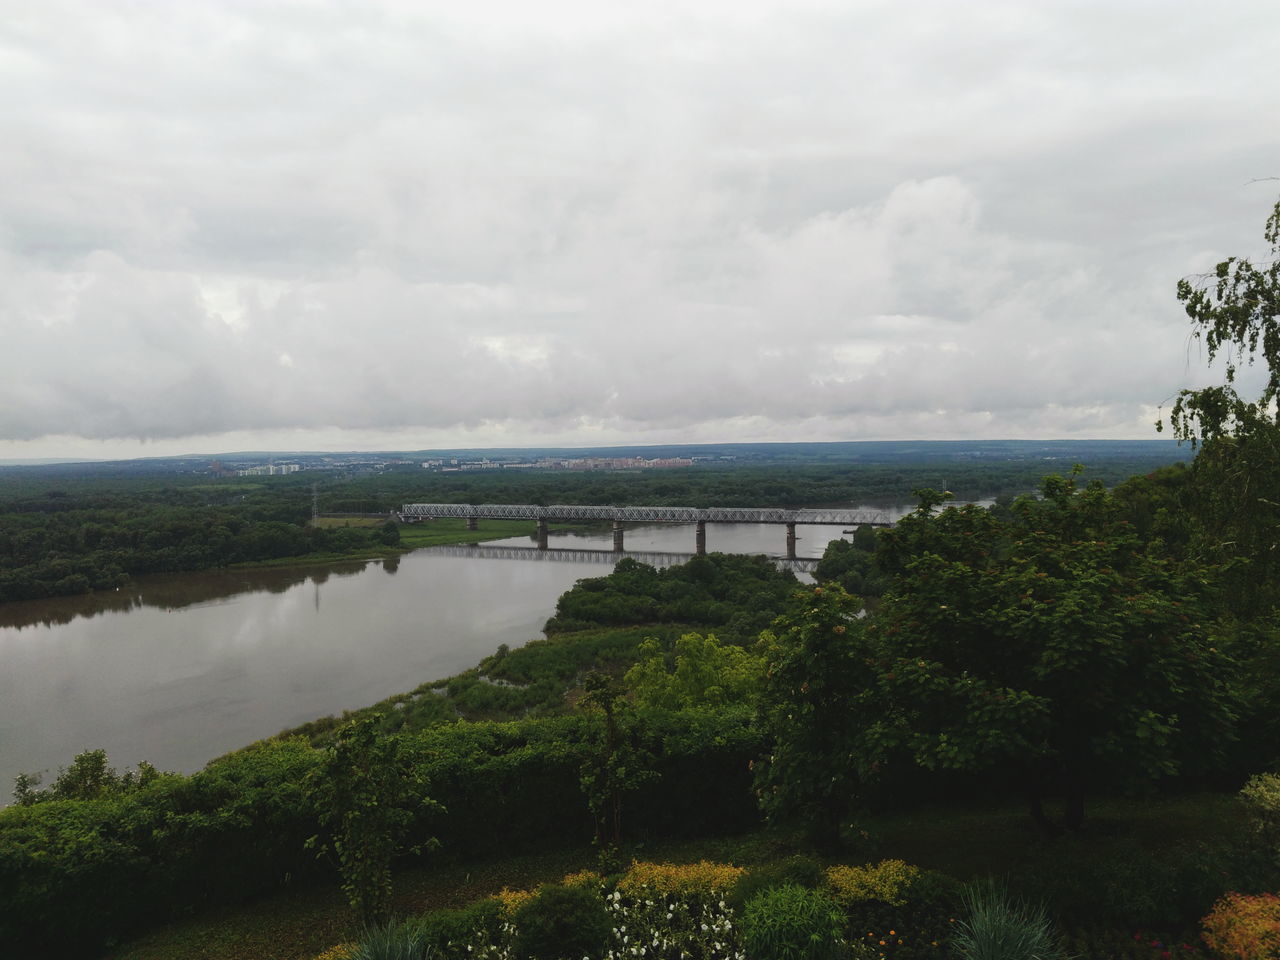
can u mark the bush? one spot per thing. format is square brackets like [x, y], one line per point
[791, 922]
[904, 912]
[887, 881]
[688, 926]
[1261, 796]
[452, 932]
[1242, 927]
[698, 879]
[999, 927]
[562, 922]
[798, 869]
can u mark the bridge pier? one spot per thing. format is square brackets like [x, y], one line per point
[791, 541]
[542, 534]
[617, 536]
[473, 523]
[700, 538]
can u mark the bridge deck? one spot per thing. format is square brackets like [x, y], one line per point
[572, 512]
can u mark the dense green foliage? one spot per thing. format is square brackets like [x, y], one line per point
[58, 543]
[852, 564]
[76, 874]
[88, 778]
[1057, 643]
[562, 921]
[739, 595]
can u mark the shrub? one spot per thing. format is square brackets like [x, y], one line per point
[1244, 927]
[562, 922]
[888, 881]
[512, 900]
[798, 869]
[999, 927]
[460, 930]
[703, 877]
[672, 926]
[1261, 796]
[584, 878]
[791, 922]
[905, 913]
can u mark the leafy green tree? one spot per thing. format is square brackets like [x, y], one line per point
[1058, 645]
[818, 707]
[368, 795]
[1235, 312]
[699, 672]
[613, 765]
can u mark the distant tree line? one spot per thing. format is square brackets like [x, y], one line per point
[62, 535]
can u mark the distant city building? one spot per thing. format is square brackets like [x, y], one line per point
[270, 470]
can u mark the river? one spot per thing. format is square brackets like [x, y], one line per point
[179, 669]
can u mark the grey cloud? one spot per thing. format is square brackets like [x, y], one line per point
[583, 222]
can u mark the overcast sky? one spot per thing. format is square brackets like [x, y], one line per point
[381, 225]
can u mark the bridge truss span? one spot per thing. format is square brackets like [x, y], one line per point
[644, 514]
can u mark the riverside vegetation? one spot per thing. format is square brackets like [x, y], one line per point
[1046, 729]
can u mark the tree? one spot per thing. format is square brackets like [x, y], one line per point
[1235, 312]
[368, 796]
[820, 710]
[613, 763]
[1057, 645]
[700, 672]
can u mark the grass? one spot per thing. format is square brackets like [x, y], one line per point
[966, 843]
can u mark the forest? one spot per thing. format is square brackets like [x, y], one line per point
[1049, 728]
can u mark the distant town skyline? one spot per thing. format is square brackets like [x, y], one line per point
[405, 226]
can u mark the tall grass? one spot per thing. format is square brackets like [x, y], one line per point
[393, 941]
[998, 926]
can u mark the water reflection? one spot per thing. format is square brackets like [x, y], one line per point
[173, 592]
[654, 558]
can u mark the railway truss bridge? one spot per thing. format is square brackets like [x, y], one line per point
[698, 516]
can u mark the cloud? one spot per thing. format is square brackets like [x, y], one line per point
[496, 222]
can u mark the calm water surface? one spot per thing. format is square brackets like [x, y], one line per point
[179, 669]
